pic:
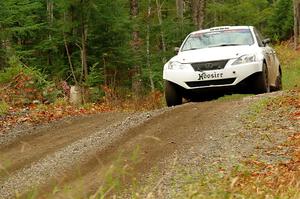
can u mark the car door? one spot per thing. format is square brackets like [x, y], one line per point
[270, 56]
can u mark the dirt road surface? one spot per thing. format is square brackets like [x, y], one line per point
[79, 157]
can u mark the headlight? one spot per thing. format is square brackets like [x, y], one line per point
[174, 65]
[245, 59]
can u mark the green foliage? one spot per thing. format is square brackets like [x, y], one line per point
[281, 20]
[16, 68]
[96, 94]
[21, 26]
[51, 93]
[9, 73]
[275, 20]
[241, 12]
[95, 77]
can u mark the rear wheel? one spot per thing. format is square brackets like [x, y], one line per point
[172, 94]
[262, 84]
[278, 85]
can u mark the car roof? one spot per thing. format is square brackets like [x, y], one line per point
[220, 28]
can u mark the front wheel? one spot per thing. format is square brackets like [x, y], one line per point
[262, 84]
[172, 94]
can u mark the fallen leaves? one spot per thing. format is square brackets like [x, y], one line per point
[275, 178]
[296, 115]
[34, 114]
[37, 114]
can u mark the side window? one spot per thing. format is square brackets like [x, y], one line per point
[258, 38]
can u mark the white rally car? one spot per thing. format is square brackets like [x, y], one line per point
[221, 57]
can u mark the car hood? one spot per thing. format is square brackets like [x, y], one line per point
[216, 53]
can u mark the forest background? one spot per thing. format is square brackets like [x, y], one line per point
[115, 49]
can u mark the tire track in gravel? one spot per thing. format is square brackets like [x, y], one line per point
[64, 159]
[31, 148]
[157, 139]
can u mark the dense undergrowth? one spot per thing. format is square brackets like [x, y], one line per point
[27, 97]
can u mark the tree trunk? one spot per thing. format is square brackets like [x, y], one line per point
[136, 79]
[50, 15]
[76, 95]
[104, 69]
[84, 34]
[4, 51]
[180, 8]
[296, 23]
[50, 8]
[201, 14]
[198, 11]
[84, 51]
[180, 5]
[68, 55]
[70, 60]
[148, 47]
[162, 35]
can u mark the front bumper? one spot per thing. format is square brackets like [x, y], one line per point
[231, 75]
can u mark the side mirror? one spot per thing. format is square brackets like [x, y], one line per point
[176, 49]
[266, 41]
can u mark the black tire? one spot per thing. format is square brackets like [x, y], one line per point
[278, 84]
[172, 94]
[262, 84]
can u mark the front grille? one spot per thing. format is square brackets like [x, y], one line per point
[212, 65]
[211, 82]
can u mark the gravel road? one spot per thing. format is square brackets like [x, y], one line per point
[71, 158]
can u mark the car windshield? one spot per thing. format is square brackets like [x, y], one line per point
[233, 37]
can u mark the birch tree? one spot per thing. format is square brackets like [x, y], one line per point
[148, 46]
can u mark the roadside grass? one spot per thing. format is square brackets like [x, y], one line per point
[257, 108]
[290, 63]
[291, 75]
[116, 176]
[233, 97]
[4, 108]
